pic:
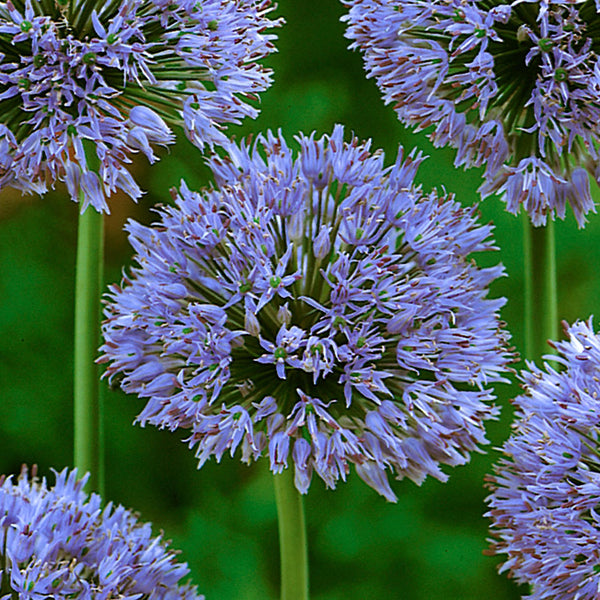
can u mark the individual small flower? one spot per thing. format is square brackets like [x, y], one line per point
[546, 489]
[318, 309]
[85, 84]
[61, 543]
[512, 86]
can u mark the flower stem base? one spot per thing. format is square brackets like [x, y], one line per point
[292, 538]
[541, 312]
[87, 400]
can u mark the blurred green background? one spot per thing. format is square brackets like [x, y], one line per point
[223, 518]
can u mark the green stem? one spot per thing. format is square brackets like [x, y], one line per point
[541, 313]
[88, 404]
[292, 538]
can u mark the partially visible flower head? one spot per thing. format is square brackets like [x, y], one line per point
[84, 84]
[319, 309]
[546, 491]
[59, 543]
[512, 86]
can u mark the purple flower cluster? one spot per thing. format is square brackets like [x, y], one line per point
[318, 308]
[546, 491]
[512, 86]
[84, 84]
[60, 543]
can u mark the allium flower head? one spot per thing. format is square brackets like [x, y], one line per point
[512, 86]
[546, 491]
[59, 543]
[84, 84]
[319, 309]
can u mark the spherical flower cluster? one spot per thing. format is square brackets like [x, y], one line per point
[84, 84]
[319, 308]
[59, 543]
[546, 491]
[512, 86]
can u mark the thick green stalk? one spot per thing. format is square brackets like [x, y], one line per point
[88, 403]
[292, 538]
[541, 313]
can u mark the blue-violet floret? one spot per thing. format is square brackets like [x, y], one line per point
[319, 308]
[514, 87]
[85, 84]
[61, 543]
[546, 488]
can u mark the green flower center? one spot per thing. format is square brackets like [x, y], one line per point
[280, 354]
[560, 74]
[89, 58]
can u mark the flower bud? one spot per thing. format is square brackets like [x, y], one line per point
[322, 243]
[284, 316]
[251, 324]
[154, 127]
